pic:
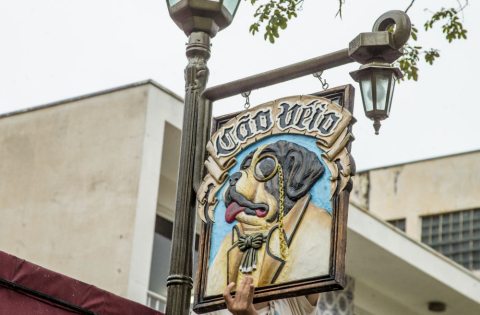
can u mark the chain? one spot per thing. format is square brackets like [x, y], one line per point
[324, 83]
[247, 99]
[283, 242]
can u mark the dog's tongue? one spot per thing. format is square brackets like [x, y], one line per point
[261, 213]
[232, 211]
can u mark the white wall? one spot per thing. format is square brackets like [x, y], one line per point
[163, 109]
[69, 179]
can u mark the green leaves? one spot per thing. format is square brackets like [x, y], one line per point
[431, 55]
[414, 33]
[408, 62]
[452, 29]
[276, 14]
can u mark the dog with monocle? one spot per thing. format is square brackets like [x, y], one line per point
[277, 220]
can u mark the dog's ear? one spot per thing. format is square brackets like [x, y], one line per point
[301, 168]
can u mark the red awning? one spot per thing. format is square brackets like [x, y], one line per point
[26, 288]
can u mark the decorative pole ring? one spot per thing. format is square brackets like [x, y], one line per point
[403, 26]
[180, 280]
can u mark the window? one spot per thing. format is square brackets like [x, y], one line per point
[399, 224]
[456, 235]
[160, 266]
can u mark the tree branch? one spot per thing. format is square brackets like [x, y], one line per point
[411, 3]
[460, 9]
[339, 12]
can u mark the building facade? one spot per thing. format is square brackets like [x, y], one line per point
[88, 188]
[435, 201]
[80, 180]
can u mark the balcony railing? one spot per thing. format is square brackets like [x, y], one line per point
[156, 301]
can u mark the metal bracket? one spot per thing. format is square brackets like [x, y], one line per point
[381, 44]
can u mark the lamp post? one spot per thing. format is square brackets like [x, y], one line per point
[201, 20]
[376, 50]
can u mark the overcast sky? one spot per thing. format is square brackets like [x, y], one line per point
[57, 49]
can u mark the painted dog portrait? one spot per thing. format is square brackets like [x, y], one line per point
[280, 234]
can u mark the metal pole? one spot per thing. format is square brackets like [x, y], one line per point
[279, 75]
[180, 281]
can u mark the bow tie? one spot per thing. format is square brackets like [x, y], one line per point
[249, 244]
[246, 241]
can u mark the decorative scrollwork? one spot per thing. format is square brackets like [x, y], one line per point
[196, 74]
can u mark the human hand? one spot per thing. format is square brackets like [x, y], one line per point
[242, 304]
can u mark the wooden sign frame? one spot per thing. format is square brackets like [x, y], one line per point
[335, 280]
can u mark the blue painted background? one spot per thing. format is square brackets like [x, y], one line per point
[320, 191]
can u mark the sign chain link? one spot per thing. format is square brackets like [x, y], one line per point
[247, 99]
[324, 83]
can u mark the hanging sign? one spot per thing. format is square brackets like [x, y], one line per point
[275, 198]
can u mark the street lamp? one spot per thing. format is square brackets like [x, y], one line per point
[200, 20]
[377, 82]
[375, 51]
[209, 16]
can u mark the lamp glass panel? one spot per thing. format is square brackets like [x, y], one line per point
[382, 81]
[392, 87]
[173, 2]
[366, 84]
[231, 5]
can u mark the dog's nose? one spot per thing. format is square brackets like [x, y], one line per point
[234, 178]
